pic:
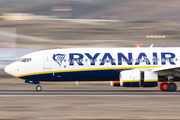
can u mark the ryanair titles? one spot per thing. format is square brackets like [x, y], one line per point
[108, 58]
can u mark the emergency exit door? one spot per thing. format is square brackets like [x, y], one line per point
[47, 61]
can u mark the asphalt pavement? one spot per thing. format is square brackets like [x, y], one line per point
[82, 92]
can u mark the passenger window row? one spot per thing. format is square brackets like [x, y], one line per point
[123, 60]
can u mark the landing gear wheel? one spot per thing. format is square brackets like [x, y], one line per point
[164, 86]
[38, 88]
[161, 87]
[172, 87]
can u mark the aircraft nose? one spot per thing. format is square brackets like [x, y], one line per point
[7, 69]
[10, 69]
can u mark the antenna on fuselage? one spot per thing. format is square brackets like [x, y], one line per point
[151, 46]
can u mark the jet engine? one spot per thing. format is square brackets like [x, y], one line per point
[137, 78]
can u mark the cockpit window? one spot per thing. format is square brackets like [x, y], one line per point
[25, 59]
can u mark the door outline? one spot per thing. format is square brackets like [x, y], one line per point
[47, 61]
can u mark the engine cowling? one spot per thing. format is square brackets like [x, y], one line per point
[137, 78]
[115, 83]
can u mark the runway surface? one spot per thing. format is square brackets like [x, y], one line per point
[82, 92]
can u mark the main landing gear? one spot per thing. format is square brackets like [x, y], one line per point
[168, 87]
[38, 88]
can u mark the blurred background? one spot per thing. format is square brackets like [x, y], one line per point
[31, 25]
[27, 26]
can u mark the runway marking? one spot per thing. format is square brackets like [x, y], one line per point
[89, 95]
[83, 89]
[56, 92]
[83, 92]
[86, 93]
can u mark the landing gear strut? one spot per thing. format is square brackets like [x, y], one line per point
[168, 87]
[38, 88]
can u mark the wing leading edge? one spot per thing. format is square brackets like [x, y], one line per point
[163, 68]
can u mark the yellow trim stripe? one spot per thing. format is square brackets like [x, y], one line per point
[151, 80]
[130, 80]
[138, 80]
[90, 69]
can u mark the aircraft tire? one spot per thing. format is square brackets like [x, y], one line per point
[172, 87]
[164, 86]
[161, 87]
[38, 88]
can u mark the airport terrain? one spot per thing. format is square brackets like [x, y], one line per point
[86, 101]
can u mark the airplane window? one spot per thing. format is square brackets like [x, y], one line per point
[100, 60]
[140, 60]
[171, 59]
[86, 60]
[145, 60]
[156, 59]
[25, 60]
[132, 60]
[95, 60]
[114, 60]
[163, 59]
[81, 60]
[176, 59]
[64, 60]
[153, 59]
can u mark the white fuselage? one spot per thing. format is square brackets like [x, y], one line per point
[90, 64]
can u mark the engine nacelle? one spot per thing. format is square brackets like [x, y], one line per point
[137, 78]
[115, 83]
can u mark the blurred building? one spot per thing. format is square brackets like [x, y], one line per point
[62, 9]
[18, 16]
[7, 37]
[7, 45]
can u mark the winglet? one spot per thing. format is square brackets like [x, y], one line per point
[151, 46]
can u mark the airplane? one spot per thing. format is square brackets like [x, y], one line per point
[125, 67]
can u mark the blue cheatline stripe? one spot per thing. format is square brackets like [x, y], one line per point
[96, 75]
[90, 69]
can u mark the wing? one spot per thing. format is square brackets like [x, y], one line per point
[165, 68]
[168, 70]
